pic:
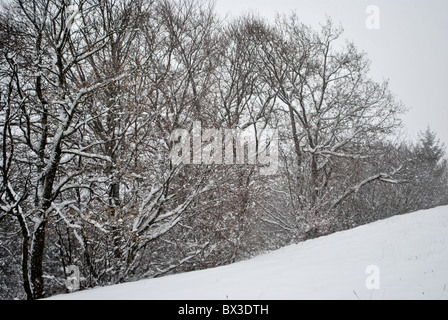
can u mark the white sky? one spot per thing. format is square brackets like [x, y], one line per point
[410, 49]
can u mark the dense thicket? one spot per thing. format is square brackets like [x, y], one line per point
[90, 92]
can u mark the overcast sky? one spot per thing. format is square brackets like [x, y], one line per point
[410, 48]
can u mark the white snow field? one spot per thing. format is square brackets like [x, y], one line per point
[407, 256]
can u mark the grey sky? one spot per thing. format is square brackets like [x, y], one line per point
[410, 49]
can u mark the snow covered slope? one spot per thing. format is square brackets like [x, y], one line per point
[410, 255]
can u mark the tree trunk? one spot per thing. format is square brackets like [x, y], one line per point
[25, 258]
[37, 257]
[295, 138]
[314, 178]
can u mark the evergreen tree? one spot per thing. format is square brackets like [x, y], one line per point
[431, 169]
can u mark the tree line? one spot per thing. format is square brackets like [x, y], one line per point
[91, 92]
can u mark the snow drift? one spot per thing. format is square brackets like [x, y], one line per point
[406, 256]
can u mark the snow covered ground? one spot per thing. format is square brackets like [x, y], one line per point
[408, 256]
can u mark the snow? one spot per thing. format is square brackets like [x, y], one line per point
[408, 255]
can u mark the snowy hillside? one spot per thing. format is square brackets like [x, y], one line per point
[409, 254]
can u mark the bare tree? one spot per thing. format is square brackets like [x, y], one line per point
[335, 111]
[90, 93]
[50, 111]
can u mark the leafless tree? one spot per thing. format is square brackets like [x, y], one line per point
[335, 112]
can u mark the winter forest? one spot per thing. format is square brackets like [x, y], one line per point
[91, 92]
